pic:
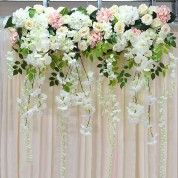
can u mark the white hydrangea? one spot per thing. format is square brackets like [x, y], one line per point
[128, 14]
[78, 20]
[19, 17]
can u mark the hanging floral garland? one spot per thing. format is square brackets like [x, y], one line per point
[61, 40]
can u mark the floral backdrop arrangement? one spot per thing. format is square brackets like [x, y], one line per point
[126, 43]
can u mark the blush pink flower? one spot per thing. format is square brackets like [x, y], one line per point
[104, 15]
[95, 38]
[163, 14]
[55, 20]
[15, 36]
[136, 31]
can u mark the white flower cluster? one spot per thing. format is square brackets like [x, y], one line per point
[75, 98]
[109, 67]
[10, 63]
[32, 101]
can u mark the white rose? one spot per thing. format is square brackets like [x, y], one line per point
[143, 8]
[62, 30]
[147, 19]
[91, 9]
[84, 31]
[49, 10]
[152, 9]
[165, 29]
[98, 27]
[29, 24]
[119, 27]
[82, 45]
[39, 8]
[156, 23]
[114, 9]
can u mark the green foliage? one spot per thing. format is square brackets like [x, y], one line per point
[93, 15]
[52, 31]
[82, 10]
[173, 17]
[9, 23]
[31, 12]
[65, 11]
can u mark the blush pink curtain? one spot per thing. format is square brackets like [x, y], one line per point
[87, 157]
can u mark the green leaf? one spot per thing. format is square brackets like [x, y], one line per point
[91, 57]
[152, 76]
[9, 23]
[62, 64]
[54, 74]
[15, 67]
[173, 43]
[61, 74]
[127, 75]
[164, 73]
[51, 78]
[19, 31]
[99, 65]
[162, 65]
[66, 88]
[51, 83]
[56, 69]
[82, 10]
[17, 62]
[98, 53]
[114, 21]
[24, 52]
[159, 69]
[122, 85]
[69, 83]
[157, 72]
[173, 17]
[57, 82]
[52, 31]
[64, 11]
[52, 65]
[31, 12]
[93, 15]
[15, 72]
[20, 70]
[55, 58]
[30, 76]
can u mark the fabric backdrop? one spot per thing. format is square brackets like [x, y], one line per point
[87, 157]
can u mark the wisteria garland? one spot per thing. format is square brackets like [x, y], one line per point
[60, 40]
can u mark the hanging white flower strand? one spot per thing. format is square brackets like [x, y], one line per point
[32, 100]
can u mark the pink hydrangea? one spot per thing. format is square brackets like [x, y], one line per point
[163, 14]
[136, 31]
[104, 15]
[95, 38]
[55, 20]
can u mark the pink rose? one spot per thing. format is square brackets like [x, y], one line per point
[15, 36]
[95, 38]
[55, 20]
[136, 31]
[104, 15]
[163, 14]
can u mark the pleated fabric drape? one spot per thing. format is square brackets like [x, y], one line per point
[87, 157]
